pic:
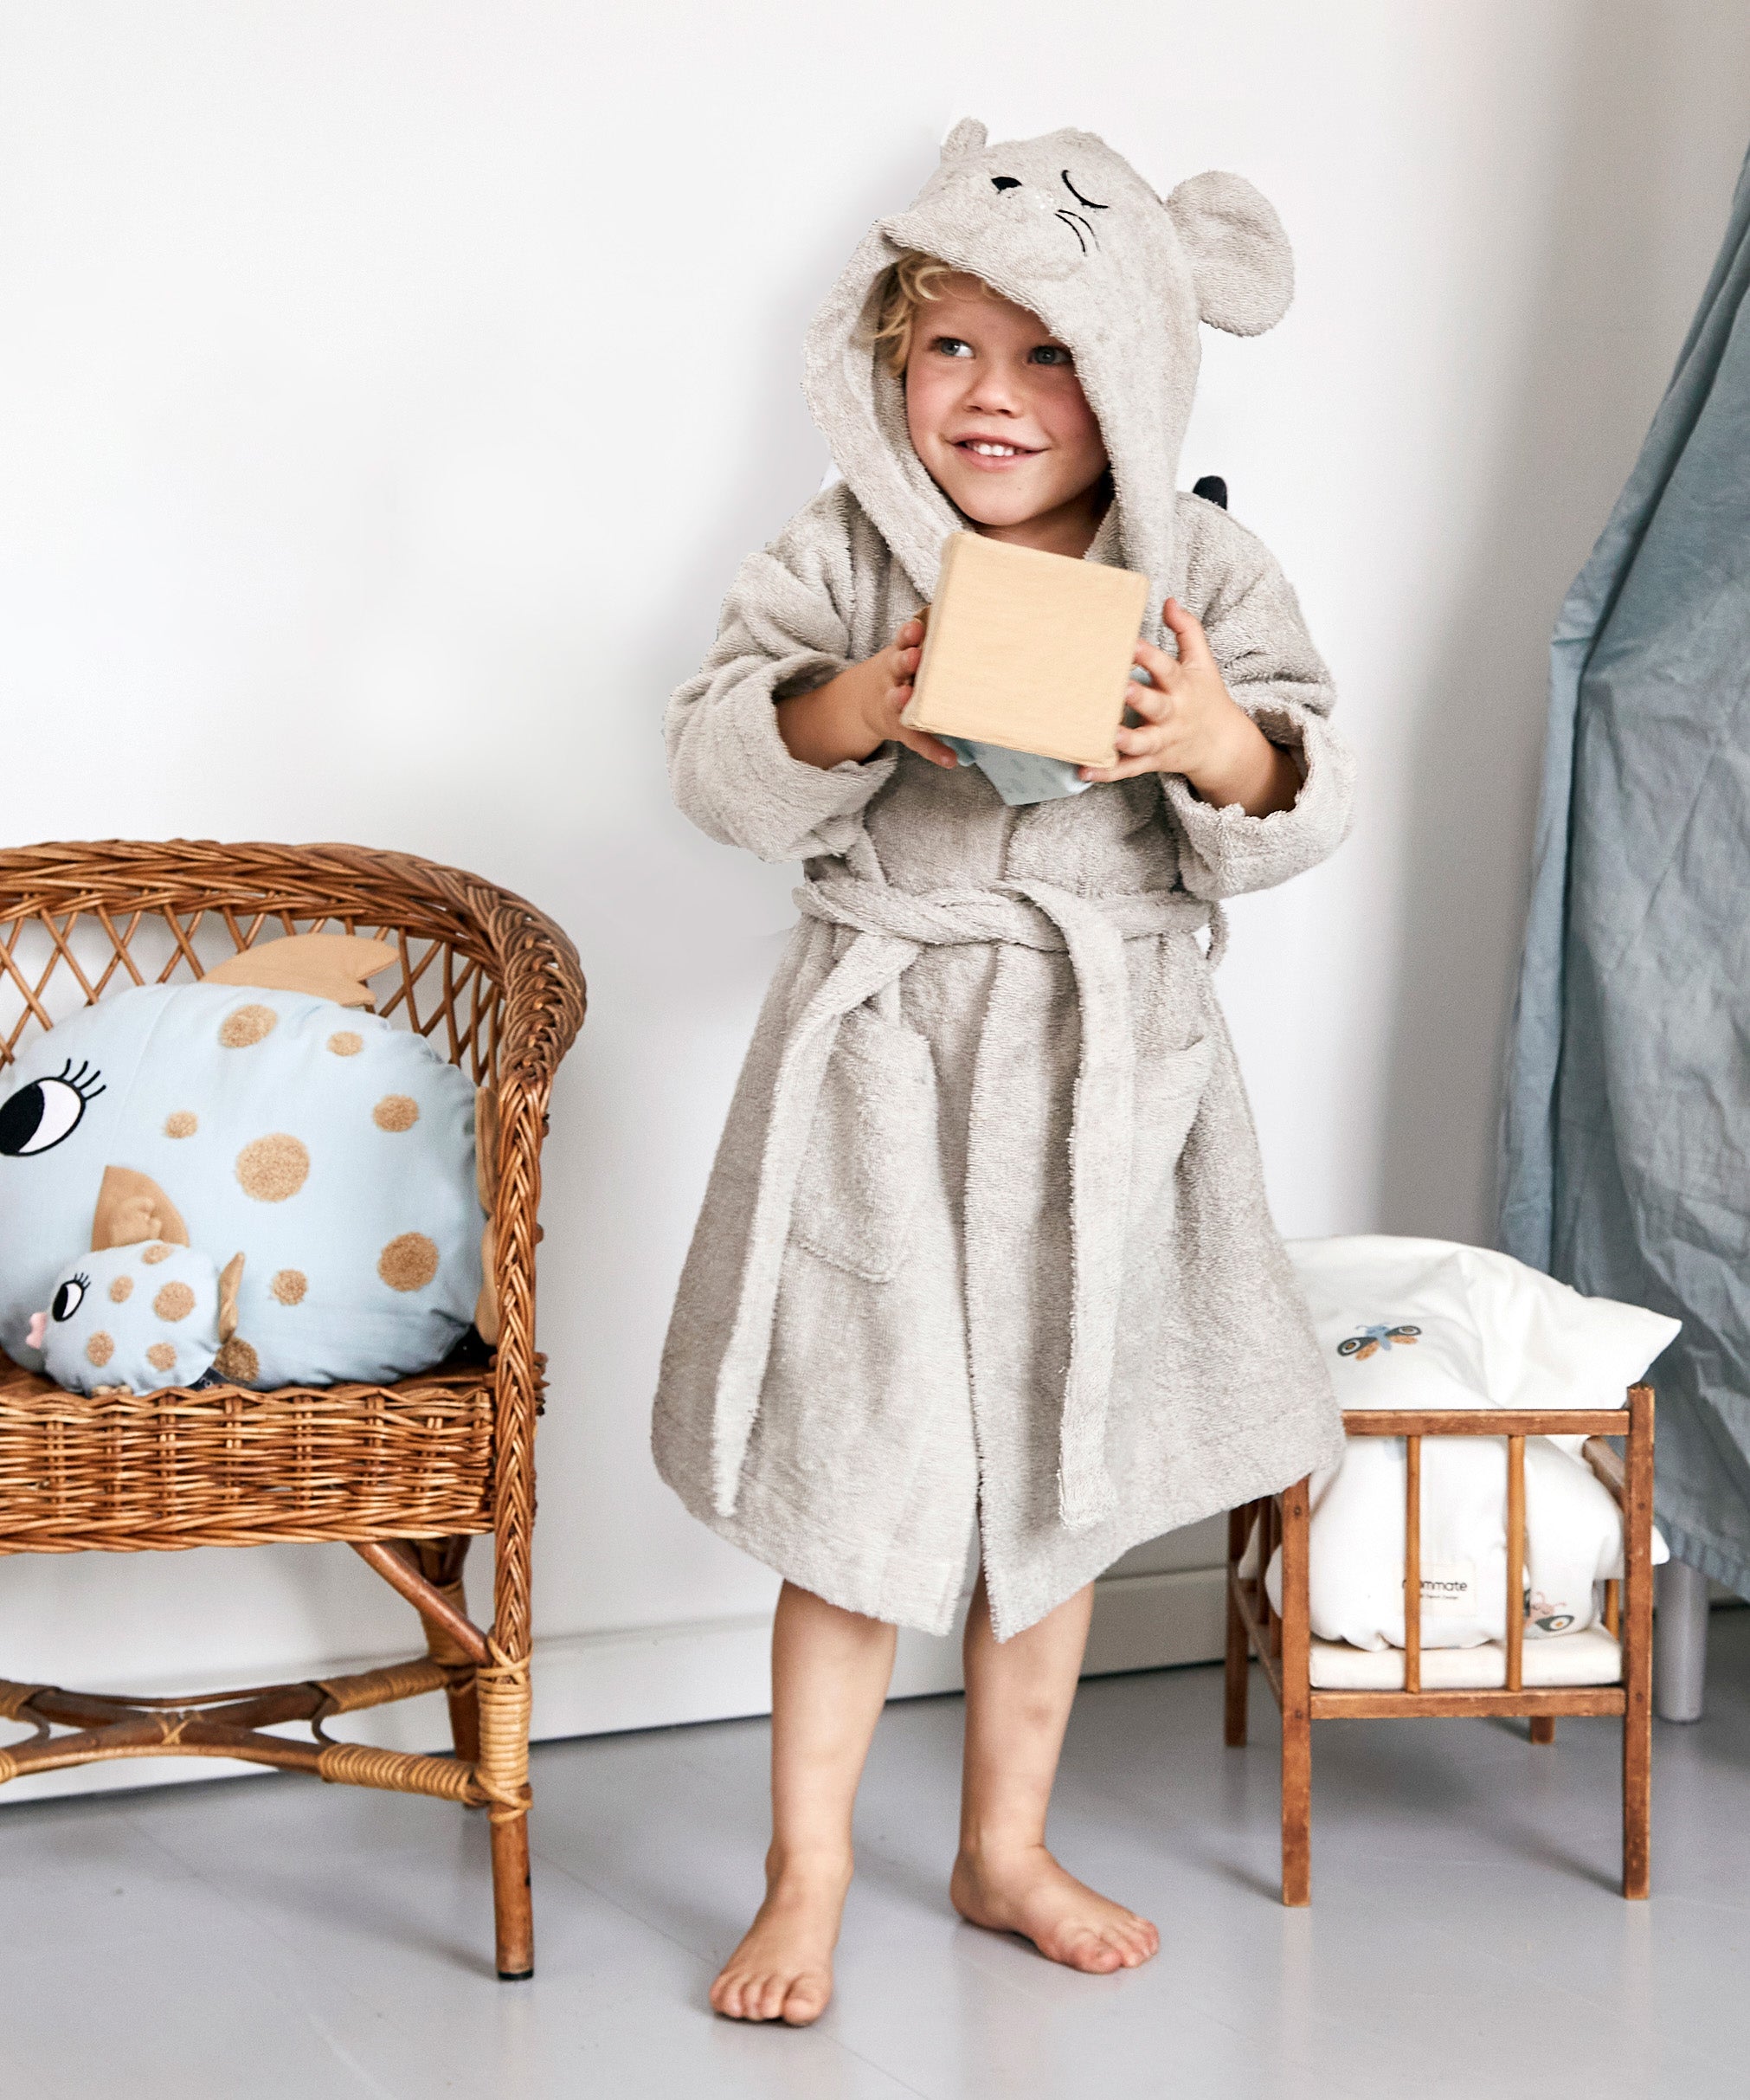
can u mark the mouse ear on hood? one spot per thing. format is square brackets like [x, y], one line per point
[967, 135]
[1241, 263]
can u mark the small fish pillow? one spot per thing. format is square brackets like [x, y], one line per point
[255, 1111]
[137, 1318]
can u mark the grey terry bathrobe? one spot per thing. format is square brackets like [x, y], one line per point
[986, 1243]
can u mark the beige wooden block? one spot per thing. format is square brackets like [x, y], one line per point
[1030, 651]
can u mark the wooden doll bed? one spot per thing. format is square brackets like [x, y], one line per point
[1285, 1646]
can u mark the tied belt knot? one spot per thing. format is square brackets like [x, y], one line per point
[892, 928]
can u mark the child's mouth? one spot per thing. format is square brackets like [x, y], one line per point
[992, 454]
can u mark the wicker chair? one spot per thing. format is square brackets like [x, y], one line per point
[405, 1474]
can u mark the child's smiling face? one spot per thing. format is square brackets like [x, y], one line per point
[998, 417]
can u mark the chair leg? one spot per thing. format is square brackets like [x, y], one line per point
[514, 1909]
[1238, 1647]
[1296, 1702]
[489, 1724]
[503, 1685]
[441, 1562]
[503, 1776]
[1637, 1660]
[1543, 1728]
[1296, 1808]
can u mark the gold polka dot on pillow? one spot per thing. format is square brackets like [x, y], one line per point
[409, 1262]
[120, 1289]
[162, 1356]
[396, 1112]
[344, 1042]
[238, 1361]
[249, 1024]
[175, 1302]
[157, 1252]
[182, 1123]
[289, 1286]
[271, 1169]
[99, 1348]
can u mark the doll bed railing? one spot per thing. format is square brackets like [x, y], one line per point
[405, 1473]
[1283, 1645]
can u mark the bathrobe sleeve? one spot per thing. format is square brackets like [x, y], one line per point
[785, 629]
[1250, 612]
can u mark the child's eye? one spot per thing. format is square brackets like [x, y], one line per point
[1049, 353]
[951, 346]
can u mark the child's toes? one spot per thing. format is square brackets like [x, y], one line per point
[770, 2003]
[805, 2000]
[1130, 1936]
[1090, 1951]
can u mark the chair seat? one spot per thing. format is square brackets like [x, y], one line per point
[223, 1465]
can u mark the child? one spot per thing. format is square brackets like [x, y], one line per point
[985, 1252]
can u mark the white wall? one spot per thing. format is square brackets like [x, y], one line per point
[387, 392]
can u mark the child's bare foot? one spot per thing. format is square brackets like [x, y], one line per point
[783, 1967]
[1027, 1891]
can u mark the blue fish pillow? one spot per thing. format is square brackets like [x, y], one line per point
[310, 1165]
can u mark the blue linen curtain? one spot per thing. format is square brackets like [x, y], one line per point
[1626, 1139]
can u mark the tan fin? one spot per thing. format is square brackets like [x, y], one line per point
[486, 1148]
[229, 1276]
[131, 1207]
[331, 965]
[487, 1305]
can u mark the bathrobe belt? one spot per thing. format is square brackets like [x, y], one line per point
[893, 928]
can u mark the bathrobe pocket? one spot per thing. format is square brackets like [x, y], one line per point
[871, 1148]
[1169, 1091]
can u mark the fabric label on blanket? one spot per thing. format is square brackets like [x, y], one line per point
[1449, 1586]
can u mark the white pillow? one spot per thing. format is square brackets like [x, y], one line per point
[1504, 1335]
[1431, 1323]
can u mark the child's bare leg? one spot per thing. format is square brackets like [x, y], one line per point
[1018, 1699]
[830, 1672]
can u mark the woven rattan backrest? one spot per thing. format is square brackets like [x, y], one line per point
[77, 923]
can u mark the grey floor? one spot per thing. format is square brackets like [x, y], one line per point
[277, 1937]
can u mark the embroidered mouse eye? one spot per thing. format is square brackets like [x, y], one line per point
[70, 1297]
[40, 1115]
[1087, 202]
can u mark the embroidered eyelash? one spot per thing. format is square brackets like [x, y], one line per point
[85, 1082]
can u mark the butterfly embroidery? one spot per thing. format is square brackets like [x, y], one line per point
[1371, 1339]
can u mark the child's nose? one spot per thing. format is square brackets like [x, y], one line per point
[996, 393]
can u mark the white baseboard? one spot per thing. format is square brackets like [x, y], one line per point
[712, 1670]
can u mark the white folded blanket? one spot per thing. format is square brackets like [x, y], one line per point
[1429, 1323]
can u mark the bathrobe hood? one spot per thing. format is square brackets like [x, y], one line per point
[1065, 227]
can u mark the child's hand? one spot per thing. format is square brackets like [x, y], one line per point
[888, 692]
[1192, 724]
[853, 715]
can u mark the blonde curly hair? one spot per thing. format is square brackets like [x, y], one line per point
[905, 286]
